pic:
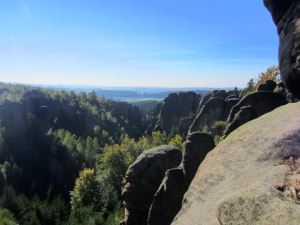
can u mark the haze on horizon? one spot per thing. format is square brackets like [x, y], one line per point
[161, 43]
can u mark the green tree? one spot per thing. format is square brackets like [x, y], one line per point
[86, 191]
[7, 218]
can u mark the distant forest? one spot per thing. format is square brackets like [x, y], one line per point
[63, 155]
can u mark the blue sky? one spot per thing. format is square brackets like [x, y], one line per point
[171, 43]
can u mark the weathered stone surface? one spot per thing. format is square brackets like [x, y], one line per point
[278, 8]
[184, 125]
[143, 178]
[229, 104]
[261, 102]
[211, 111]
[176, 106]
[245, 114]
[269, 85]
[238, 181]
[194, 151]
[168, 199]
[286, 15]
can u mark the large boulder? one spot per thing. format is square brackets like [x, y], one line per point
[168, 199]
[286, 15]
[251, 177]
[243, 116]
[229, 103]
[269, 85]
[143, 178]
[175, 107]
[213, 107]
[261, 102]
[211, 111]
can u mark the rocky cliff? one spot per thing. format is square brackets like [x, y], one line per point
[251, 177]
[175, 107]
[286, 15]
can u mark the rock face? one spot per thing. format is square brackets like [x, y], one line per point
[143, 179]
[168, 199]
[256, 104]
[248, 178]
[269, 85]
[210, 112]
[184, 125]
[286, 15]
[175, 107]
[244, 115]
[213, 107]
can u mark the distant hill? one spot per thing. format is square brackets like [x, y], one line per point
[133, 94]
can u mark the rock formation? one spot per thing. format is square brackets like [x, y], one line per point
[250, 177]
[244, 115]
[143, 178]
[213, 107]
[175, 107]
[253, 106]
[210, 112]
[269, 85]
[286, 15]
[168, 199]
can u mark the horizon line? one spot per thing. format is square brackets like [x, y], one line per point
[91, 86]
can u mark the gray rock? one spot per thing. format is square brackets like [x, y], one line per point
[176, 106]
[229, 104]
[242, 180]
[261, 102]
[168, 199]
[143, 178]
[286, 15]
[245, 114]
[269, 85]
[184, 125]
[211, 111]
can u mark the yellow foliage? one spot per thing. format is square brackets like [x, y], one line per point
[272, 73]
[177, 141]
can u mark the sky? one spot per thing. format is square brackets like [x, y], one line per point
[161, 43]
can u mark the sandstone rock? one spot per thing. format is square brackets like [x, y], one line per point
[175, 107]
[184, 125]
[229, 104]
[242, 179]
[261, 102]
[286, 15]
[269, 85]
[143, 179]
[219, 94]
[194, 151]
[203, 101]
[245, 114]
[210, 112]
[168, 199]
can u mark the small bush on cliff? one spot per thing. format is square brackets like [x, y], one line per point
[176, 141]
